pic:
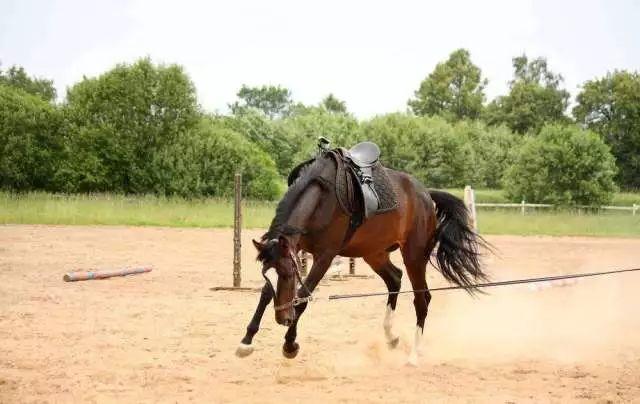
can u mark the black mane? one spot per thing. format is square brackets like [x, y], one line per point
[278, 227]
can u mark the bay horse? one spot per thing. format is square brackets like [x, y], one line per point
[309, 218]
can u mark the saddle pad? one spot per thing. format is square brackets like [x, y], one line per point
[384, 189]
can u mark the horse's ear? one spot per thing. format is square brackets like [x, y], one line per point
[258, 245]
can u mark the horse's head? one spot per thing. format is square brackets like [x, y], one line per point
[279, 267]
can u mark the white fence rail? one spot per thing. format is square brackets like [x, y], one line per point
[523, 206]
[470, 202]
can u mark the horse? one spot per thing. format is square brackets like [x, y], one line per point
[309, 217]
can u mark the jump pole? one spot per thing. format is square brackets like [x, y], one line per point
[90, 275]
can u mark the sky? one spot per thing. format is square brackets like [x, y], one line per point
[371, 54]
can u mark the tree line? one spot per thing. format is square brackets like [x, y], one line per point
[138, 128]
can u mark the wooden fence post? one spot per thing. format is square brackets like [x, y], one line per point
[523, 207]
[635, 208]
[470, 203]
[303, 261]
[352, 266]
[237, 225]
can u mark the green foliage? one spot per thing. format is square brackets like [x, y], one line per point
[535, 98]
[273, 101]
[138, 129]
[442, 154]
[30, 143]
[562, 165]
[455, 89]
[265, 133]
[17, 77]
[303, 128]
[216, 153]
[494, 150]
[332, 104]
[426, 147]
[118, 123]
[611, 107]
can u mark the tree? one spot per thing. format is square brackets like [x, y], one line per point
[116, 123]
[535, 98]
[303, 128]
[455, 89]
[611, 107]
[332, 104]
[30, 140]
[266, 134]
[426, 147]
[274, 101]
[563, 164]
[205, 160]
[494, 148]
[17, 77]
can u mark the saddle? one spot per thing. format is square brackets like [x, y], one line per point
[362, 157]
[362, 185]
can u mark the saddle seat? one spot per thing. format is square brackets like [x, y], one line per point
[364, 154]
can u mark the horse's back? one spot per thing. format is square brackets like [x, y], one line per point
[392, 228]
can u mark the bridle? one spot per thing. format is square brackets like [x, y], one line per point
[296, 300]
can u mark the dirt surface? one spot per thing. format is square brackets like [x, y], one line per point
[165, 337]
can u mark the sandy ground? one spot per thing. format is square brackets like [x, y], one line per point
[165, 337]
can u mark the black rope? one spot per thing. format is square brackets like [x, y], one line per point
[486, 285]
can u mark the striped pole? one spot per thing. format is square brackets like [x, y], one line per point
[89, 275]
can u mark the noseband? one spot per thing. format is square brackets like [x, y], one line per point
[296, 300]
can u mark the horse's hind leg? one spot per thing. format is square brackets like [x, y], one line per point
[415, 261]
[392, 277]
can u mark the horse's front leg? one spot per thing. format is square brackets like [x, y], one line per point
[318, 270]
[246, 347]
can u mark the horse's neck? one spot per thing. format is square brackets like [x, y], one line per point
[307, 203]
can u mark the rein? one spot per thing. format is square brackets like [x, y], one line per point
[296, 300]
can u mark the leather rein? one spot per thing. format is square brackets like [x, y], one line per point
[296, 300]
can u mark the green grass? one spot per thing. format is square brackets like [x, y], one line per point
[558, 223]
[482, 195]
[498, 196]
[107, 209]
[626, 199]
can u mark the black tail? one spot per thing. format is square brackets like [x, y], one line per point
[459, 246]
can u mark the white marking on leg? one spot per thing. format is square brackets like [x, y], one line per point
[413, 356]
[388, 325]
[244, 350]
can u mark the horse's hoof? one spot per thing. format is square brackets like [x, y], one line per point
[412, 361]
[290, 351]
[244, 350]
[393, 343]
